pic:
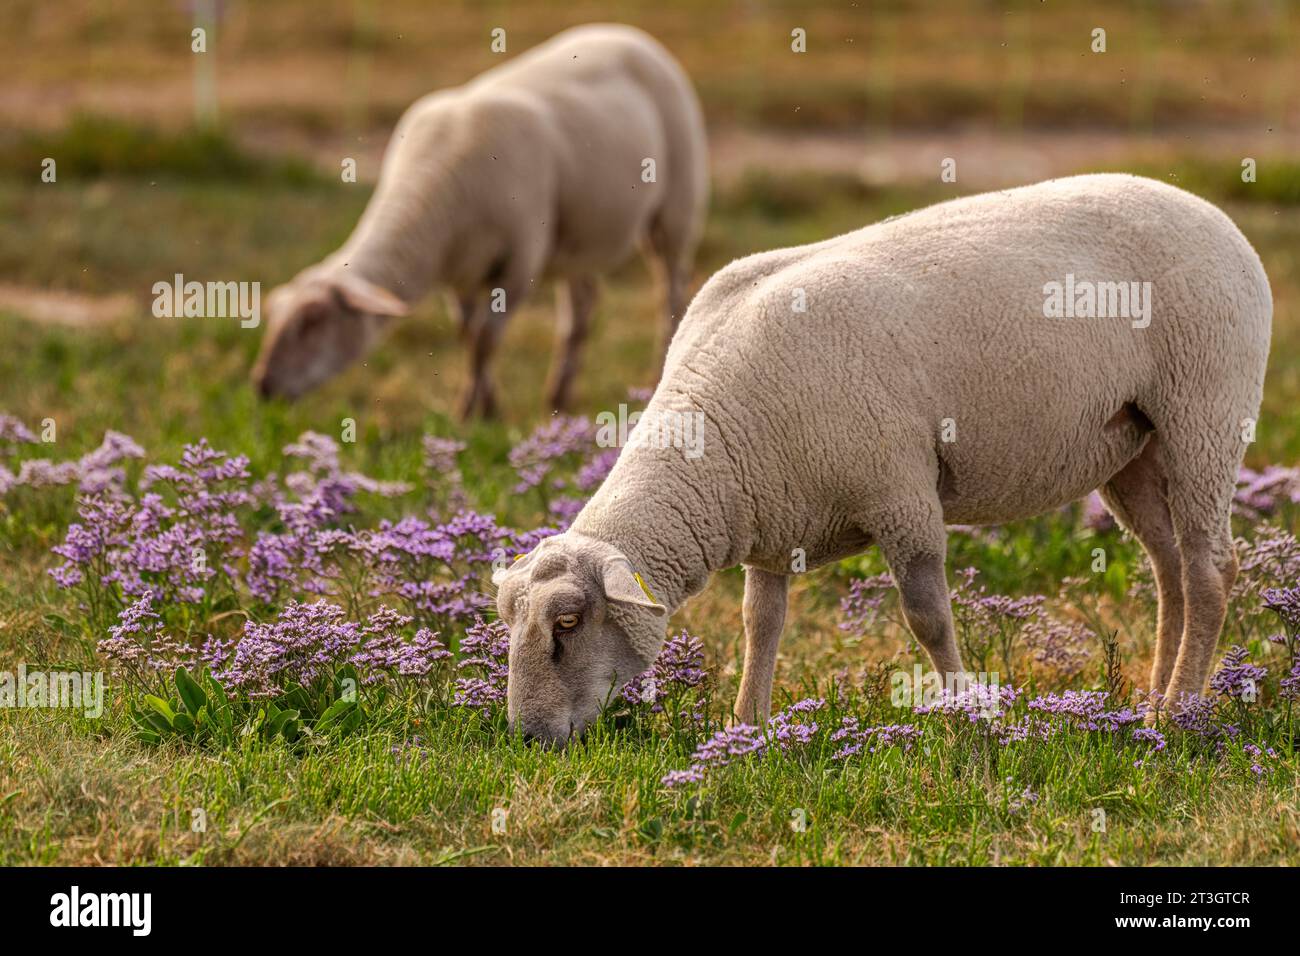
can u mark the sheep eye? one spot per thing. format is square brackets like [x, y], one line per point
[566, 622]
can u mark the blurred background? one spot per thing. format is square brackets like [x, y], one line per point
[225, 166]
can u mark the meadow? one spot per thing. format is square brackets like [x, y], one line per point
[246, 723]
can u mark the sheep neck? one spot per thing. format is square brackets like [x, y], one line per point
[401, 241]
[663, 512]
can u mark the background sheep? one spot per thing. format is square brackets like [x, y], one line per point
[555, 163]
[922, 385]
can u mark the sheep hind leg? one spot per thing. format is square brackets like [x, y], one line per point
[1201, 488]
[764, 615]
[918, 566]
[1136, 497]
[576, 299]
[671, 252]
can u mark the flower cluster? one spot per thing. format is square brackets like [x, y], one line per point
[1086, 710]
[96, 471]
[485, 650]
[853, 739]
[680, 666]
[861, 606]
[787, 730]
[1237, 678]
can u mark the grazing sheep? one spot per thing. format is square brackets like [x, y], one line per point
[556, 163]
[924, 385]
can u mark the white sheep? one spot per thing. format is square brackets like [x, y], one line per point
[556, 163]
[925, 383]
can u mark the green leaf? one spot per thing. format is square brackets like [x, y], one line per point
[334, 713]
[183, 723]
[216, 692]
[191, 693]
[161, 706]
[276, 723]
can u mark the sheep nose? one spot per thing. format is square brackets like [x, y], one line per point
[530, 737]
[263, 388]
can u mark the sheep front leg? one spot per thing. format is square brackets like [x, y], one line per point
[764, 616]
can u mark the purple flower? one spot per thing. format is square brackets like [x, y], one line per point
[536, 457]
[680, 665]
[785, 731]
[1259, 493]
[298, 648]
[1095, 516]
[1059, 645]
[14, 431]
[440, 454]
[484, 649]
[853, 739]
[1086, 710]
[1199, 716]
[1236, 678]
[861, 607]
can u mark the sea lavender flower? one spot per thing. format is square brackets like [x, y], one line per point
[1260, 492]
[971, 699]
[1150, 735]
[1236, 678]
[853, 739]
[14, 431]
[95, 471]
[1062, 646]
[1270, 559]
[1285, 603]
[298, 648]
[325, 478]
[535, 458]
[1095, 516]
[1086, 710]
[140, 647]
[785, 731]
[1022, 801]
[680, 666]
[385, 654]
[1258, 756]
[1289, 686]
[861, 606]
[485, 648]
[440, 454]
[1199, 715]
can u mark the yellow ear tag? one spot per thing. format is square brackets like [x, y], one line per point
[644, 588]
[519, 557]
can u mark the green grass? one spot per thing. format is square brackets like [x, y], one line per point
[74, 790]
[80, 791]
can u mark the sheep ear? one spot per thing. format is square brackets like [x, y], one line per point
[520, 562]
[365, 296]
[624, 585]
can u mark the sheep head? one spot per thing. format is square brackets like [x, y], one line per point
[319, 323]
[582, 624]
